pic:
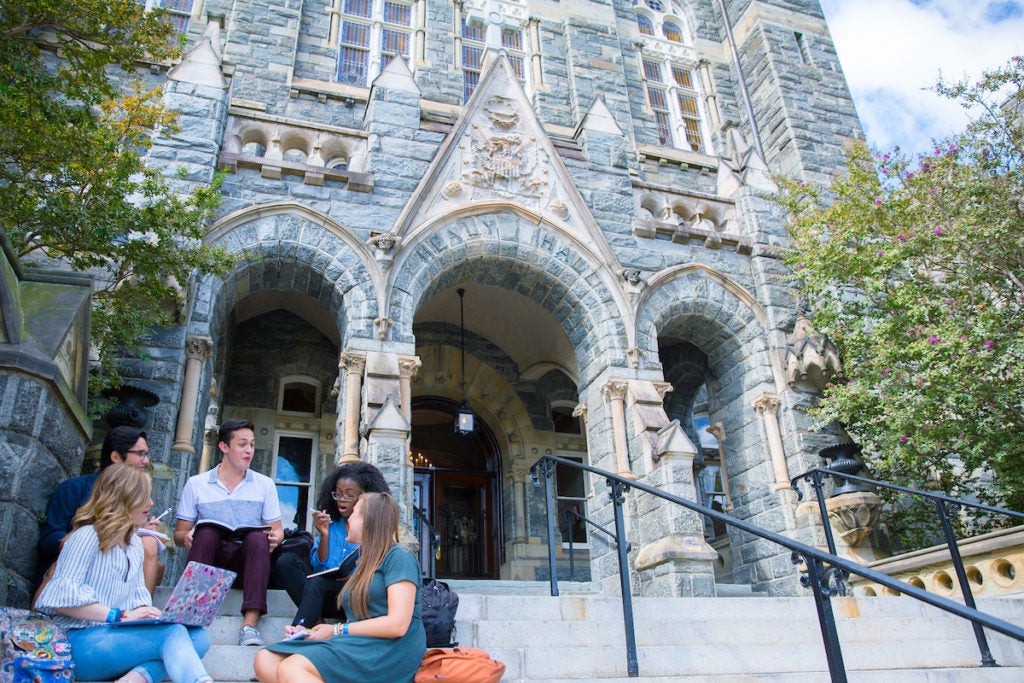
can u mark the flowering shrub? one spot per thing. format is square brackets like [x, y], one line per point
[915, 269]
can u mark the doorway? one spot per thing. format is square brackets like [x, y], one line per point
[457, 493]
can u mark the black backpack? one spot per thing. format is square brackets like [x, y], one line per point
[438, 604]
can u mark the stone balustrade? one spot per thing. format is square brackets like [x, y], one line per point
[994, 564]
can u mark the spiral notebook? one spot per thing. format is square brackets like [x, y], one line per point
[196, 598]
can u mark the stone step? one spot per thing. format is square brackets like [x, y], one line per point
[988, 675]
[579, 636]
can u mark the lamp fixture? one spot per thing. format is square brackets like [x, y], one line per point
[463, 416]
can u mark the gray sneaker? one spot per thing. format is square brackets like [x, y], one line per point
[250, 636]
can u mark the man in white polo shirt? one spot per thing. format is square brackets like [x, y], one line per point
[235, 498]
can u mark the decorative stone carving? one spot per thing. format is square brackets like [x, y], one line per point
[383, 326]
[505, 165]
[451, 189]
[559, 208]
[812, 360]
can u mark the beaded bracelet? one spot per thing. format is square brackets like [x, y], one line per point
[337, 630]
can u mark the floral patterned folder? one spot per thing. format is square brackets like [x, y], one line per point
[196, 598]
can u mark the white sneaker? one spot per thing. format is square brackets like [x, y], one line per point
[250, 636]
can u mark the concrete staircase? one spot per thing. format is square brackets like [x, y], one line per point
[579, 637]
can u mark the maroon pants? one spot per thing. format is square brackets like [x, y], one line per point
[250, 558]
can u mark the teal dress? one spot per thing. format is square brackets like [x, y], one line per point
[362, 659]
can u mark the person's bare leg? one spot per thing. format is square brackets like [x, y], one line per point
[266, 665]
[298, 669]
[251, 617]
[152, 567]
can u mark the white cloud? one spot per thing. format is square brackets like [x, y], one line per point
[893, 51]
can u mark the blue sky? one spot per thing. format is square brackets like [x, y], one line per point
[892, 51]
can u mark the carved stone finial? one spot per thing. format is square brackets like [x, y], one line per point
[812, 360]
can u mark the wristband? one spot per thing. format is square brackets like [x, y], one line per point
[114, 615]
[344, 629]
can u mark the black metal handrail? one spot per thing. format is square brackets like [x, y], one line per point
[943, 505]
[569, 515]
[435, 537]
[824, 569]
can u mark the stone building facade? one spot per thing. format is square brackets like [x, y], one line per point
[553, 213]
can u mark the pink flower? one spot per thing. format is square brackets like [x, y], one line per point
[881, 253]
[938, 230]
[901, 237]
[878, 202]
[932, 191]
[989, 344]
[932, 339]
[904, 438]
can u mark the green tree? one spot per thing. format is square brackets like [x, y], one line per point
[915, 268]
[74, 189]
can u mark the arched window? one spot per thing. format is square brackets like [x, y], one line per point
[254, 149]
[677, 117]
[645, 24]
[178, 12]
[299, 396]
[672, 31]
[373, 32]
[474, 35]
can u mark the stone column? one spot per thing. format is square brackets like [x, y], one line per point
[209, 445]
[420, 44]
[767, 406]
[533, 36]
[197, 350]
[353, 364]
[408, 368]
[615, 391]
[519, 503]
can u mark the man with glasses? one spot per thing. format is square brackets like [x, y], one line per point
[122, 444]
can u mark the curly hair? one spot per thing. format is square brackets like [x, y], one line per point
[380, 532]
[118, 490]
[368, 477]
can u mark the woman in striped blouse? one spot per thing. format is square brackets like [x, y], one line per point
[98, 580]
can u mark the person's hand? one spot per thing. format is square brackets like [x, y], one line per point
[321, 632]
[188, 539]
[288, 630]
[322, 523]
[153, 524]
[275, 535]
[142, 612]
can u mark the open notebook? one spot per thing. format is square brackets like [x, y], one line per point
[196, 597]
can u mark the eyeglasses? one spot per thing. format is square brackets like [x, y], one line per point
[141, 453]
[344, 496]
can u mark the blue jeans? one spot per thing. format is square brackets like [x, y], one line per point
[158, 651]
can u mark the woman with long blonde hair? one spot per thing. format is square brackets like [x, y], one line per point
[98, 580]
[383, 640]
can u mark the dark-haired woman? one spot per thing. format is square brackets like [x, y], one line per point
[338, 494]
[383, 640]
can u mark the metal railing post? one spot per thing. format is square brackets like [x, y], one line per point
[961, 574]
[617, 491]
[548, 470]
[819, 491]
[817, 580]
[569, 514]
